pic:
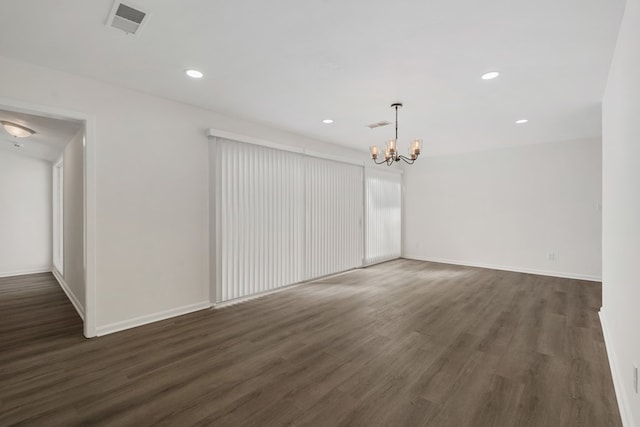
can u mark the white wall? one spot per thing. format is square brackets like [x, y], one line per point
[508, 208]
[151, 189]
[621, 212]
[25, 214]
[74, 219]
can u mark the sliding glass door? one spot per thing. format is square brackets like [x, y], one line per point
[333, 213]
[281, 217]
[383, 207]
[261, 232]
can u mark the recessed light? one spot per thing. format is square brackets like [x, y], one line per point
[490, 75]
[327, 121]
[521, 121]
[194, 74]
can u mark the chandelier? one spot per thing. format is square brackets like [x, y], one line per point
[391, 152]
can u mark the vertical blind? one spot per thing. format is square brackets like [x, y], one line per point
[261, 219]
[283, 217]
[383, 207]
[333, 207]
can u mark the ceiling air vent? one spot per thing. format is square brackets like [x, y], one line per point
[378, 124]
[126, 18]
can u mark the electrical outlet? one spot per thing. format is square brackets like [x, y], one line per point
[635, 379]
[551, 256]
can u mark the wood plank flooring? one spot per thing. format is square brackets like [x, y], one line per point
[404, 343]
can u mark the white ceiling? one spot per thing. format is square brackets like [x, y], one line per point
[290, 63]
[51, 136]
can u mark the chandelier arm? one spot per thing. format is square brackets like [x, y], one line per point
[380, 162]
[406, 159]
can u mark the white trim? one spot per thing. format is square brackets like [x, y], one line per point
[90, 305]
[625, 410]
[51, 112]
[72, 297]
[57, 216]
[230, 302]
[576, 276]
[212, 220]
[150, 318]
[331, 157]
[25, 272]
[217, 133]
[251, 140]
[381, 261]
[89, 196]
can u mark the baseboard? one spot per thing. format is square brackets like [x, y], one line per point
[231, 302]
[507, 268]
[72, 297]
[625, 412]
[382, 261]
[228, 303]
[150, 318]
[25, 272]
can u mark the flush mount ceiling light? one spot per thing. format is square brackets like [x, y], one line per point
[327, 121]
[16, 130]
[194, 74]
[490, 75]
[391, 152]
[521, 121]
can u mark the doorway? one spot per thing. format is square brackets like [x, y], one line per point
[81, 265]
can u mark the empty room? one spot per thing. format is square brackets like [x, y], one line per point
[319, 213]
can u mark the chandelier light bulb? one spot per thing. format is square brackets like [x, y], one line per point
[391, 145]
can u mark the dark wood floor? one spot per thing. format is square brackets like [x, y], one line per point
[404, 343]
